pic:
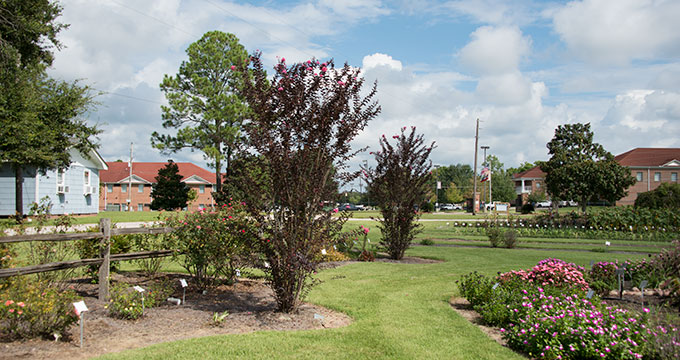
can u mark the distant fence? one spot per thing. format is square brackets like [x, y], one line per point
[104, 234]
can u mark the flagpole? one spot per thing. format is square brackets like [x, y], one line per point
[474, 175]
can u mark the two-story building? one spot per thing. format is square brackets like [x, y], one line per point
[649, 166]
[73, 190]
[119, 188]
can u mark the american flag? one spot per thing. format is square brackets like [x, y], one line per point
[486, 174]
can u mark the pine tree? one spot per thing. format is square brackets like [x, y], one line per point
[169, 192]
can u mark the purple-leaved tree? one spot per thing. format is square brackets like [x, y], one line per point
[398, 184]
[303, 121]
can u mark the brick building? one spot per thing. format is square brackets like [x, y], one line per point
[649, 166]
[115, 189]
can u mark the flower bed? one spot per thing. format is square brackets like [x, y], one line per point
[544, 313]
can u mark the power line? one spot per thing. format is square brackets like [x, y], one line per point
[128, 96]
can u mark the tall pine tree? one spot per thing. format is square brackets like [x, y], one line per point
[169, 192]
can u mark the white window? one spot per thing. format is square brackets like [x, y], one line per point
[674, 177]
[86, 177]
[140, 189]
[657, 176]
[201, 189]
[639, 176]
[61, 177]
[109, 188]
[123, 188]
[140, 207]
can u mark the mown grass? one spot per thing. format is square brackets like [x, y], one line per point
[400, 311]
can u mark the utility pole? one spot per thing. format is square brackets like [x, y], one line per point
[485, 163]
[474, 175]
[437, 185]
[130, 182]
[368, 199]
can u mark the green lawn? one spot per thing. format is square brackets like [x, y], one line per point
[400, 311]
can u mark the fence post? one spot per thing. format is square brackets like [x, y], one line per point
[105, 228]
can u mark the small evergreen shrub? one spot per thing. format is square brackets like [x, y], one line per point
[427, 242]
[527, 208]
[495, 234]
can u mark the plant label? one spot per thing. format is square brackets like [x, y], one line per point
[590, 294]
[334, 247]
[266, 264]
[318, 317]
[238, 273]
[495, 286]
[80, 307]
[643, 284]
[620, 271]
[323, 251]
[138, 288]
[607, 243]
[183, 283]
[592, 262]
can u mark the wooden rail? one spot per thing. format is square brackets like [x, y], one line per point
[104, 260]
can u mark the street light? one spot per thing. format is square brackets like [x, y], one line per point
[436, 187]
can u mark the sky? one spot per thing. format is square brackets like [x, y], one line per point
[521, 67]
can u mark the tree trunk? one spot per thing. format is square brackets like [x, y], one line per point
[19, 192]
[218, 175]
[584, 204]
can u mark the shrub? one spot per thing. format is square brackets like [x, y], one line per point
[527, 208]
[602, 277]
[125, 302]
[476, 288]
[494, 235]
[91, 248]
[427, 207]
[334, 255]
[667, 195]
[210, 244]
[510, 239]
[427, 242]
[398, 184]
[552, 272]
[148, 242]
[30, 309]
[367, 255]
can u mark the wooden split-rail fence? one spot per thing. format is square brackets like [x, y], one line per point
[104, 234]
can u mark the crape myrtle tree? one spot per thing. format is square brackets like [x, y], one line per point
[204, 102]
[582, 170]
[169, 192]
[398, 184]
[303, 121]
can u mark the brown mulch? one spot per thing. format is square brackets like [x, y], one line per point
[250, 303]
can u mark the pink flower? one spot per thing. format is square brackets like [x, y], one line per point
[21, 304]
[341, 83]
[280, 89]
[198, 227]
[283, 59]
[233, 67]
[324, 69]
[20, 312]
[335, 210]
[9, 302]
[11, 310]
[365, 230]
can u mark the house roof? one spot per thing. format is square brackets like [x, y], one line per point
[533, 173]
[119, 172]
[649, 157]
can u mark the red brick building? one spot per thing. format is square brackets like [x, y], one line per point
[649, 166]
[115, 190]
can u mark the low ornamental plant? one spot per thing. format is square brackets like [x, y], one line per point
[602, 277]
[510, 239]
[30, 309]
[212, 244]
[125, 302]
[551, 272]
[495, 235]
[398, 185]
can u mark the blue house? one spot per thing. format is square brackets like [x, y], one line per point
[71, 191]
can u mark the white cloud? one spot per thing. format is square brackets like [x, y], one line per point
[505, 89]
[494, 50]
[493, 11]
[618, 31]
[378, 59]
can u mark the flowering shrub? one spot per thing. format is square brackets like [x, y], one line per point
[571, 327]
[210, 244]
[125, 302]
[602, 277]
[31, 309]
[552, 272]
[334, 255]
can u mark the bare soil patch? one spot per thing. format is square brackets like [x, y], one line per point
[250, 303]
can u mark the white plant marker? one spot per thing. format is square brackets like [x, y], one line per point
[323, 252]
[590, 294]
[184, 284]
[238, 273]
[266, 264]
[80, 309]
[140, 290]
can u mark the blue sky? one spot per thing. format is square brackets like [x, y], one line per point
[521, 67]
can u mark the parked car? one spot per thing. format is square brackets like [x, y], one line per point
[457, 207]
[446, 207]
[348, 207]
[543, 204]
[568, 203]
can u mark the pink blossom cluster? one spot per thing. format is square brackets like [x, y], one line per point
[551, 272]
[15, 307]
